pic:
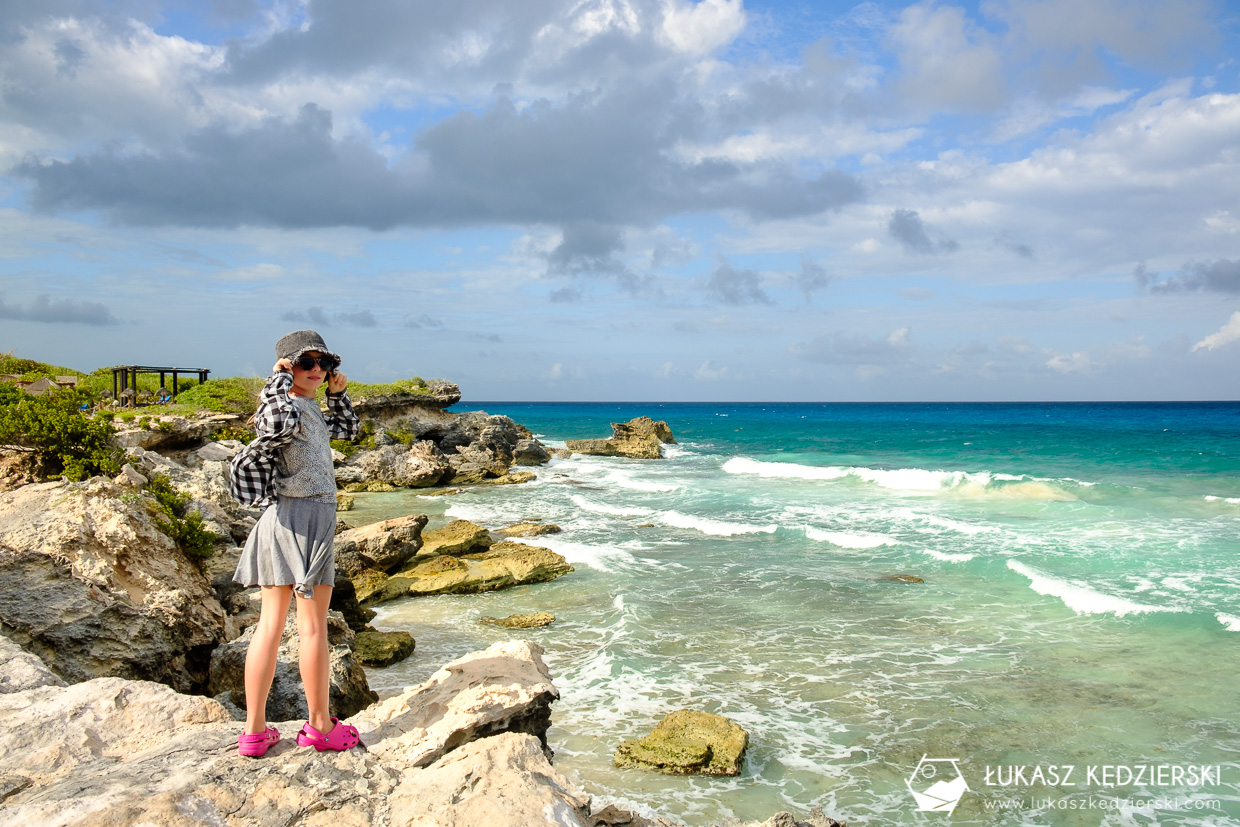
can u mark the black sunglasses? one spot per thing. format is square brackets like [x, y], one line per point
[327, 363]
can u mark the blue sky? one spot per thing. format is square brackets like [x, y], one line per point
[633, 199]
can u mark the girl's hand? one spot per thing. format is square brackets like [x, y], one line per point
[337, 381]
[285, 365]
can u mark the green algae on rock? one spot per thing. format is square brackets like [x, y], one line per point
[688, 742]
[526, 621]
[375, 648]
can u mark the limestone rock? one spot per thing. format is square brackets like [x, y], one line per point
[49, 731]
[511, 478]
[115, 752]
[505, 688]
[530, 529]
[130, 476]
[349, 690]
[171, 432]
[526, 621]
[503, 565]
[505, 779]
[687, 741]
[345, 502]
[23, 670]
[419, 466]
[375, 648]
[457, 537]
[18, 468]
[381, 546]
[530, 452]
[640, 437]
[346, 601]
[103, 590]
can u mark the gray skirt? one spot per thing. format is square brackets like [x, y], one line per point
[291, 545]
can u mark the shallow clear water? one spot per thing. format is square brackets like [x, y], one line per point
[1080, 603]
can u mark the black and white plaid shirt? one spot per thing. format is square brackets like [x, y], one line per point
[254, 469]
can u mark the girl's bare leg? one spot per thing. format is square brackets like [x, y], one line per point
[260, 657]
[312, 656]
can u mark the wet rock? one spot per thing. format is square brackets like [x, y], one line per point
[530, 529]
[640, 438]
[98, 589]
[688, 742]
[349, 691]
[375, 648]
[511, 478]
[346, 601]
[457, 537]
[503, 565]
[525, 621]
[345, 502]
[902, 578]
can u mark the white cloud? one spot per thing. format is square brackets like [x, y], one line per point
[1078, 362]
[700, 28]
[1226, 334]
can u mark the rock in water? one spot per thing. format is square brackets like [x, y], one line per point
[499, 567]
[688, 742]
[375, 648]
[640, 438]
[530, 529]
[527, 621]
[457, 537]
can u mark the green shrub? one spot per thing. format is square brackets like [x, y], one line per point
[68, 442]
[234, 394]
[183, 525]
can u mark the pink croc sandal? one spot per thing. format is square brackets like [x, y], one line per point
[256, 746]
[341, 737]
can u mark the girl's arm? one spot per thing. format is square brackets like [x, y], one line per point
[277, 416]
[341, 418]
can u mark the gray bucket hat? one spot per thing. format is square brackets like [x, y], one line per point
[300, 342]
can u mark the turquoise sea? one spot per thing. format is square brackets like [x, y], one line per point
[1080, 606]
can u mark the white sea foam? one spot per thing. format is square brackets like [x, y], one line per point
[1210, 498]
[613, 510]
[845, 539]
[1080, 599]
[741, 465]
[943, 522]
[625, 479]
[1230, 622]
[715, 528]
[948, 558]
[601, 557]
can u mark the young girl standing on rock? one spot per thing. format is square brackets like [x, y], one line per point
[290, 549]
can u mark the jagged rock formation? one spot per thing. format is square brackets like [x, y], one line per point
[468, 747]
[640, 438]
[96, 588]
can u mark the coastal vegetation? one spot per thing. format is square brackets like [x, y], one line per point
[67, 442]
[180, 522]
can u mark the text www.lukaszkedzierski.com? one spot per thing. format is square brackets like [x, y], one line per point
[1098, 802]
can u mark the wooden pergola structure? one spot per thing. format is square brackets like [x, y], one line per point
[125, 377]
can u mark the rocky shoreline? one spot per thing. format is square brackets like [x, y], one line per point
[125, 654]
